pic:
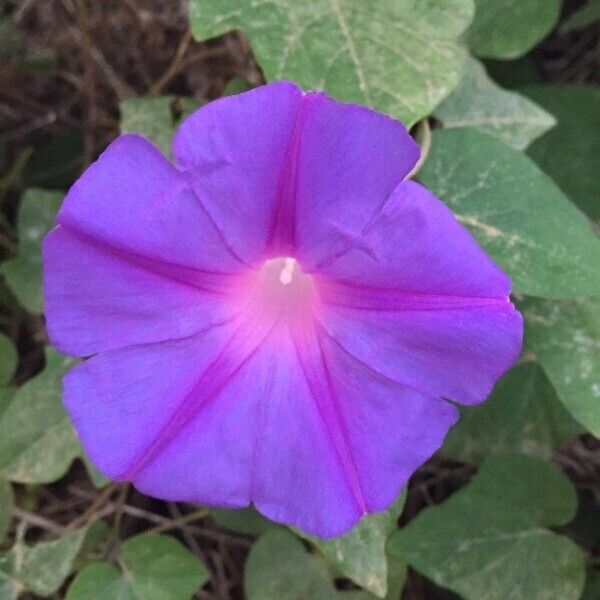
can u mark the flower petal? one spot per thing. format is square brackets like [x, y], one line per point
[235, 152]
[134, 200]
[381, 431]
[417, 300]
[415, 244]
[262, 439]
[455, 353]
[120, 400]
[391, 428]
[98, 298]
[232, 416]
[349, 160]
[214, 419]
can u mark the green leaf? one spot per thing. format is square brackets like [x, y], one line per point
[6, 395]
[569, 152]
[36, 217]
[37, 441]
[236, 85]
[97, 478]
[6, 506]
[246, 520]
[8, 359]
[162, 567]
[279, 568]
[56, 162]
[513, 74]
[155, 118]
[478, 102]
[397, 572]
[393, 55]
[592, 586]
[150, 117]
[9, 589]
[155, 567]
[360, 553]
[99, 581]
[41, 568]
[565, 338]
[584, 17]
[523, 414]
[516, 213]
[509, 28]
[488, 540]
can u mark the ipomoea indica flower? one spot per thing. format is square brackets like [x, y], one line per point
[276, 318]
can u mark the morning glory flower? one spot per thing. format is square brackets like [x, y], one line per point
[279, 317]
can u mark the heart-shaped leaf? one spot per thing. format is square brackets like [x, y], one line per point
[479, 103]
[37, 441]
[154, 567]
[401, 57]
[489, 540]
[523, 414]
[565, 338]
[516, 212]
[509, 28]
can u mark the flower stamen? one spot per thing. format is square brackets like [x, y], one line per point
[287, 273]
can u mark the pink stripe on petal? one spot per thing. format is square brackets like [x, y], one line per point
[279, 318]
[391, 429]
[211, 282]
[120, 400]
[101, 299]
[261, 440]
[133, 199]
[243, 343]
[454, 353]
[414, 244]
[234, 151]
[371, 298]
[322, 388]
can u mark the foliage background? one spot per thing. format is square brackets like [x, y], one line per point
[503, 98]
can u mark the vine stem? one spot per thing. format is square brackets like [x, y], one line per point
[423, 138]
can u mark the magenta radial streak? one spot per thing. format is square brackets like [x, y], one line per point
[239, 349]
[281, 237]
[364, 297]
[212, 282]
[323, 331]
[313, 363]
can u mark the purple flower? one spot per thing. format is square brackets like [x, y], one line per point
[279, 318]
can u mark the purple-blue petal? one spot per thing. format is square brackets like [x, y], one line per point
[213, 384]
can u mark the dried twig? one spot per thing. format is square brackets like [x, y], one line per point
[38, 521]
[174, 68]
[90, 514]
[177, 523]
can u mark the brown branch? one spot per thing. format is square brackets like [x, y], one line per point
[37, 521]
[89, 515]
[83, 22]
[174, 68]
[177, 523]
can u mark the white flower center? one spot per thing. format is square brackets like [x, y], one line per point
[286, 274]
[280, 288]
